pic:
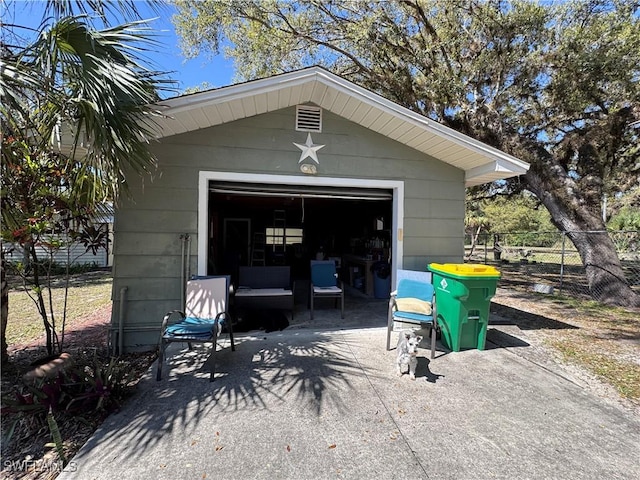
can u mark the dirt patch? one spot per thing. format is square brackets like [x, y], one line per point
[598, 344]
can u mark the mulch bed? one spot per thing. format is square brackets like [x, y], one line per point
[88, 339]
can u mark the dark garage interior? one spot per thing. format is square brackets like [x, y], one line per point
[281, 225]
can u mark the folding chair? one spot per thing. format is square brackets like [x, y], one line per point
[325, 283]
[412, 303]
[206, 306]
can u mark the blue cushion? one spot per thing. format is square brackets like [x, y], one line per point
[191, 328]
[201, 321]
[408, 288]
[415, 317]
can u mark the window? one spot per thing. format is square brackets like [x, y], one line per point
[280, 236]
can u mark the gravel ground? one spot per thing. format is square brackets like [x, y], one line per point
[555, 328]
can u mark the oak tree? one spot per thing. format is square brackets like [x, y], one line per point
[555, 84]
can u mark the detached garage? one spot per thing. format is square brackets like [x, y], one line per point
[287, 169]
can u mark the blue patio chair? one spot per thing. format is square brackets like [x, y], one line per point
[325, 283]
[205, 312]
[413, 303]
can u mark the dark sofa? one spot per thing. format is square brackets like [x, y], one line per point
[265, 287]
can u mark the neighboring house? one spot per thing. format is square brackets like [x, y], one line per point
[283, 170]
[74, 253]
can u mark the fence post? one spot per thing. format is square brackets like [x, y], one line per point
[564, 236]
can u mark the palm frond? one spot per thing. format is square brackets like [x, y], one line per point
[94, 86]
[102, 9]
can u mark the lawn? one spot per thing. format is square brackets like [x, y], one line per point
[87, 293]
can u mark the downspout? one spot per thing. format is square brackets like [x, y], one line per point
[123, 296]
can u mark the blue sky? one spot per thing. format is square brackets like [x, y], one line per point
[217, 71]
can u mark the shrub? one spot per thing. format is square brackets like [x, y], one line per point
[85, 387]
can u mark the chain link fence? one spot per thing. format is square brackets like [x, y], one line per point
[547, 262]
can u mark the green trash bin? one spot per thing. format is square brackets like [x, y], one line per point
[463, 296]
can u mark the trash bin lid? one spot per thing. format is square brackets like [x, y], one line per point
[465, 270]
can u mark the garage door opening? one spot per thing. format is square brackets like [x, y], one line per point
[253, 225]
[353, 221]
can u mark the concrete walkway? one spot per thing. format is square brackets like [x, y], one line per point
[316, 404]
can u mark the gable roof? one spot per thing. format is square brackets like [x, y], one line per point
[480, 162]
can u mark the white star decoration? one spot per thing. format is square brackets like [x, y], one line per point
[308, 149]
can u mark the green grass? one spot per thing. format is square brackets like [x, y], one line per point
[551, 255]
[87, 293]
[594, 308]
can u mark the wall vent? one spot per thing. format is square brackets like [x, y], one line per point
[308, 118]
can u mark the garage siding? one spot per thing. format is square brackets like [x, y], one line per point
[147, 230]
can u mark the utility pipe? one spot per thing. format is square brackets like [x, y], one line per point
[188, 256]
[182, 281]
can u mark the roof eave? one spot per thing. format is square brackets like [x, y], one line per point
[499, 164]
[498, 169]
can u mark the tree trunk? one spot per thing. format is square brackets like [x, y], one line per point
[42, 309]
[474, 242]
[586, 230]
[4, 307]
[605, 275]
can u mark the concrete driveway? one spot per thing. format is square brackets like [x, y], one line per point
[316, 404]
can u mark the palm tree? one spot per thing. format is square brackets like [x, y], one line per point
[79, 92]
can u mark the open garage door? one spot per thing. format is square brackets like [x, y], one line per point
[301, 191]
[278, 224]
[310, 216]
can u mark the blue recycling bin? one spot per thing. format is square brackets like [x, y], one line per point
[381, 279]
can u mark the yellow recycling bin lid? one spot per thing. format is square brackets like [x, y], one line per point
[465, 270]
